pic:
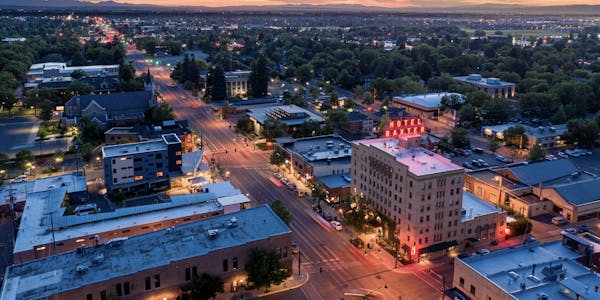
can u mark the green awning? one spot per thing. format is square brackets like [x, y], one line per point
[438, 247]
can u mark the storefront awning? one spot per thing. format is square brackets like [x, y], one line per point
[438, 247]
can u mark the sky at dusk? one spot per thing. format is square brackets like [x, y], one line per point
[382, 3]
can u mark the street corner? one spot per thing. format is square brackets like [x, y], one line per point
[291, 283]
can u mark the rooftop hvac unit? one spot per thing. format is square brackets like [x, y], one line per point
[232, 222]
[513, 274]
[81, 269]
[212, 234]
[543, 296]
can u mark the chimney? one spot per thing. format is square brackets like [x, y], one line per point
[540, 186]
[533, 270]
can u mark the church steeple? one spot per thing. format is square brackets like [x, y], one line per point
[148, 84]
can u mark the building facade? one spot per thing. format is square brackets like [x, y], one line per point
[145, 165]
[237, 83]
[493, 86]
[421, 192]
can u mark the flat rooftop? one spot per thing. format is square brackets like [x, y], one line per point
[490, 177]
[425, 101]
[133, 148]
[476, 79]
[533, 265]
[321, 148]
[475, 207]
[45, 277]
[336, 181]
[420, 161]
[581, 192]
[260, 114]
[44, 214]
[73, 182]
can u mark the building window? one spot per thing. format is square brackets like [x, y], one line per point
[126, 288]
[234, 263]
[159, 174]
[119, 289]
[148, 283]
[159, 165]
[158, 155]
[194, 272]
[103, 295]
[461, 282]
[472, 290]
[138, 177]
[225, 265]
[178, 162]
[157, 280]
[89, 297]
[188, 274]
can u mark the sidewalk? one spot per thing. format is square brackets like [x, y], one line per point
[291, 283]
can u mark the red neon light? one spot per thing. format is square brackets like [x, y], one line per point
[398, 123]
[395, 133]
[422, 129]
[391, 124]
[387, 133]
[412, 121]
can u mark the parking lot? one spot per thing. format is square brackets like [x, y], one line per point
[489, 159]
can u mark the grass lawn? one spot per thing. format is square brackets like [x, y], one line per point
[16, 112]
[48, 128]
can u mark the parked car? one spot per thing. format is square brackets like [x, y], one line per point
[464, 152]
[478, 150]
[551, 157]
[448, 155]
[529, 240]
[502, 159]
[476, 163]
[583, 228]
[468, 165]
[483, 163]
[357, 242]
[494, 243]
[277, 175]
[292, 186]
[20, 178]
[559, 221]
[295, 248]
[337, 225]
[571, 230]
[327, 216]
[483, 251]
[284, 180]
[562, 154]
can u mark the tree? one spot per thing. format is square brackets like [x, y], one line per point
[77, 87]
[308, 128]
[24, 159]
[265, 269]
[515, 135]
[459, 137]
[259, 78]
[282, 211]
[494, 144]
[468, 114]
[278, 157]
[368, 98]
[194, 73]
[206, 287]
[273, 129]
[536, 152]
[77, 74]
[454, 101]
[215, 83]
[90, 131]
[383, 122]
[582, 132]
[336, 118]
[4, 161]
[126, 72]
[162, 112]
[8, 99]
[47, 109]
[245, 125]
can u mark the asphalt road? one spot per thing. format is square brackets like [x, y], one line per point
[344, 268]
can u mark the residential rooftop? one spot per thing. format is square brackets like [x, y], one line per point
[477, 79]
[122, 257]
[581, 192]
[133, 148]
[425, 101]
[526, 271]
[420, 161]
[474, 207]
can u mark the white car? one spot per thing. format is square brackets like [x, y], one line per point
[337, 225]
[483, 251]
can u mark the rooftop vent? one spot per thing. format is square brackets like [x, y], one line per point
[81, 269]
[543, 296]
[232, 222]
[98, 258]
[513, 274]
[552, 129]
[541, 128]
[212, 234]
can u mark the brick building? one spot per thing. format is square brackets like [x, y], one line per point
[155, 265]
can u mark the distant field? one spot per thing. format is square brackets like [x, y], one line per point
[526, 33]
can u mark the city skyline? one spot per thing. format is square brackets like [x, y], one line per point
[373, 3]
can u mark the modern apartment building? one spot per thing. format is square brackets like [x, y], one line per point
[419, 191]
[144, 165]
[159, 264]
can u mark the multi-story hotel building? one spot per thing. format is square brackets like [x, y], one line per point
[420, 191]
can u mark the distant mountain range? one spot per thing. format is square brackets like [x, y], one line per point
[478, 9]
